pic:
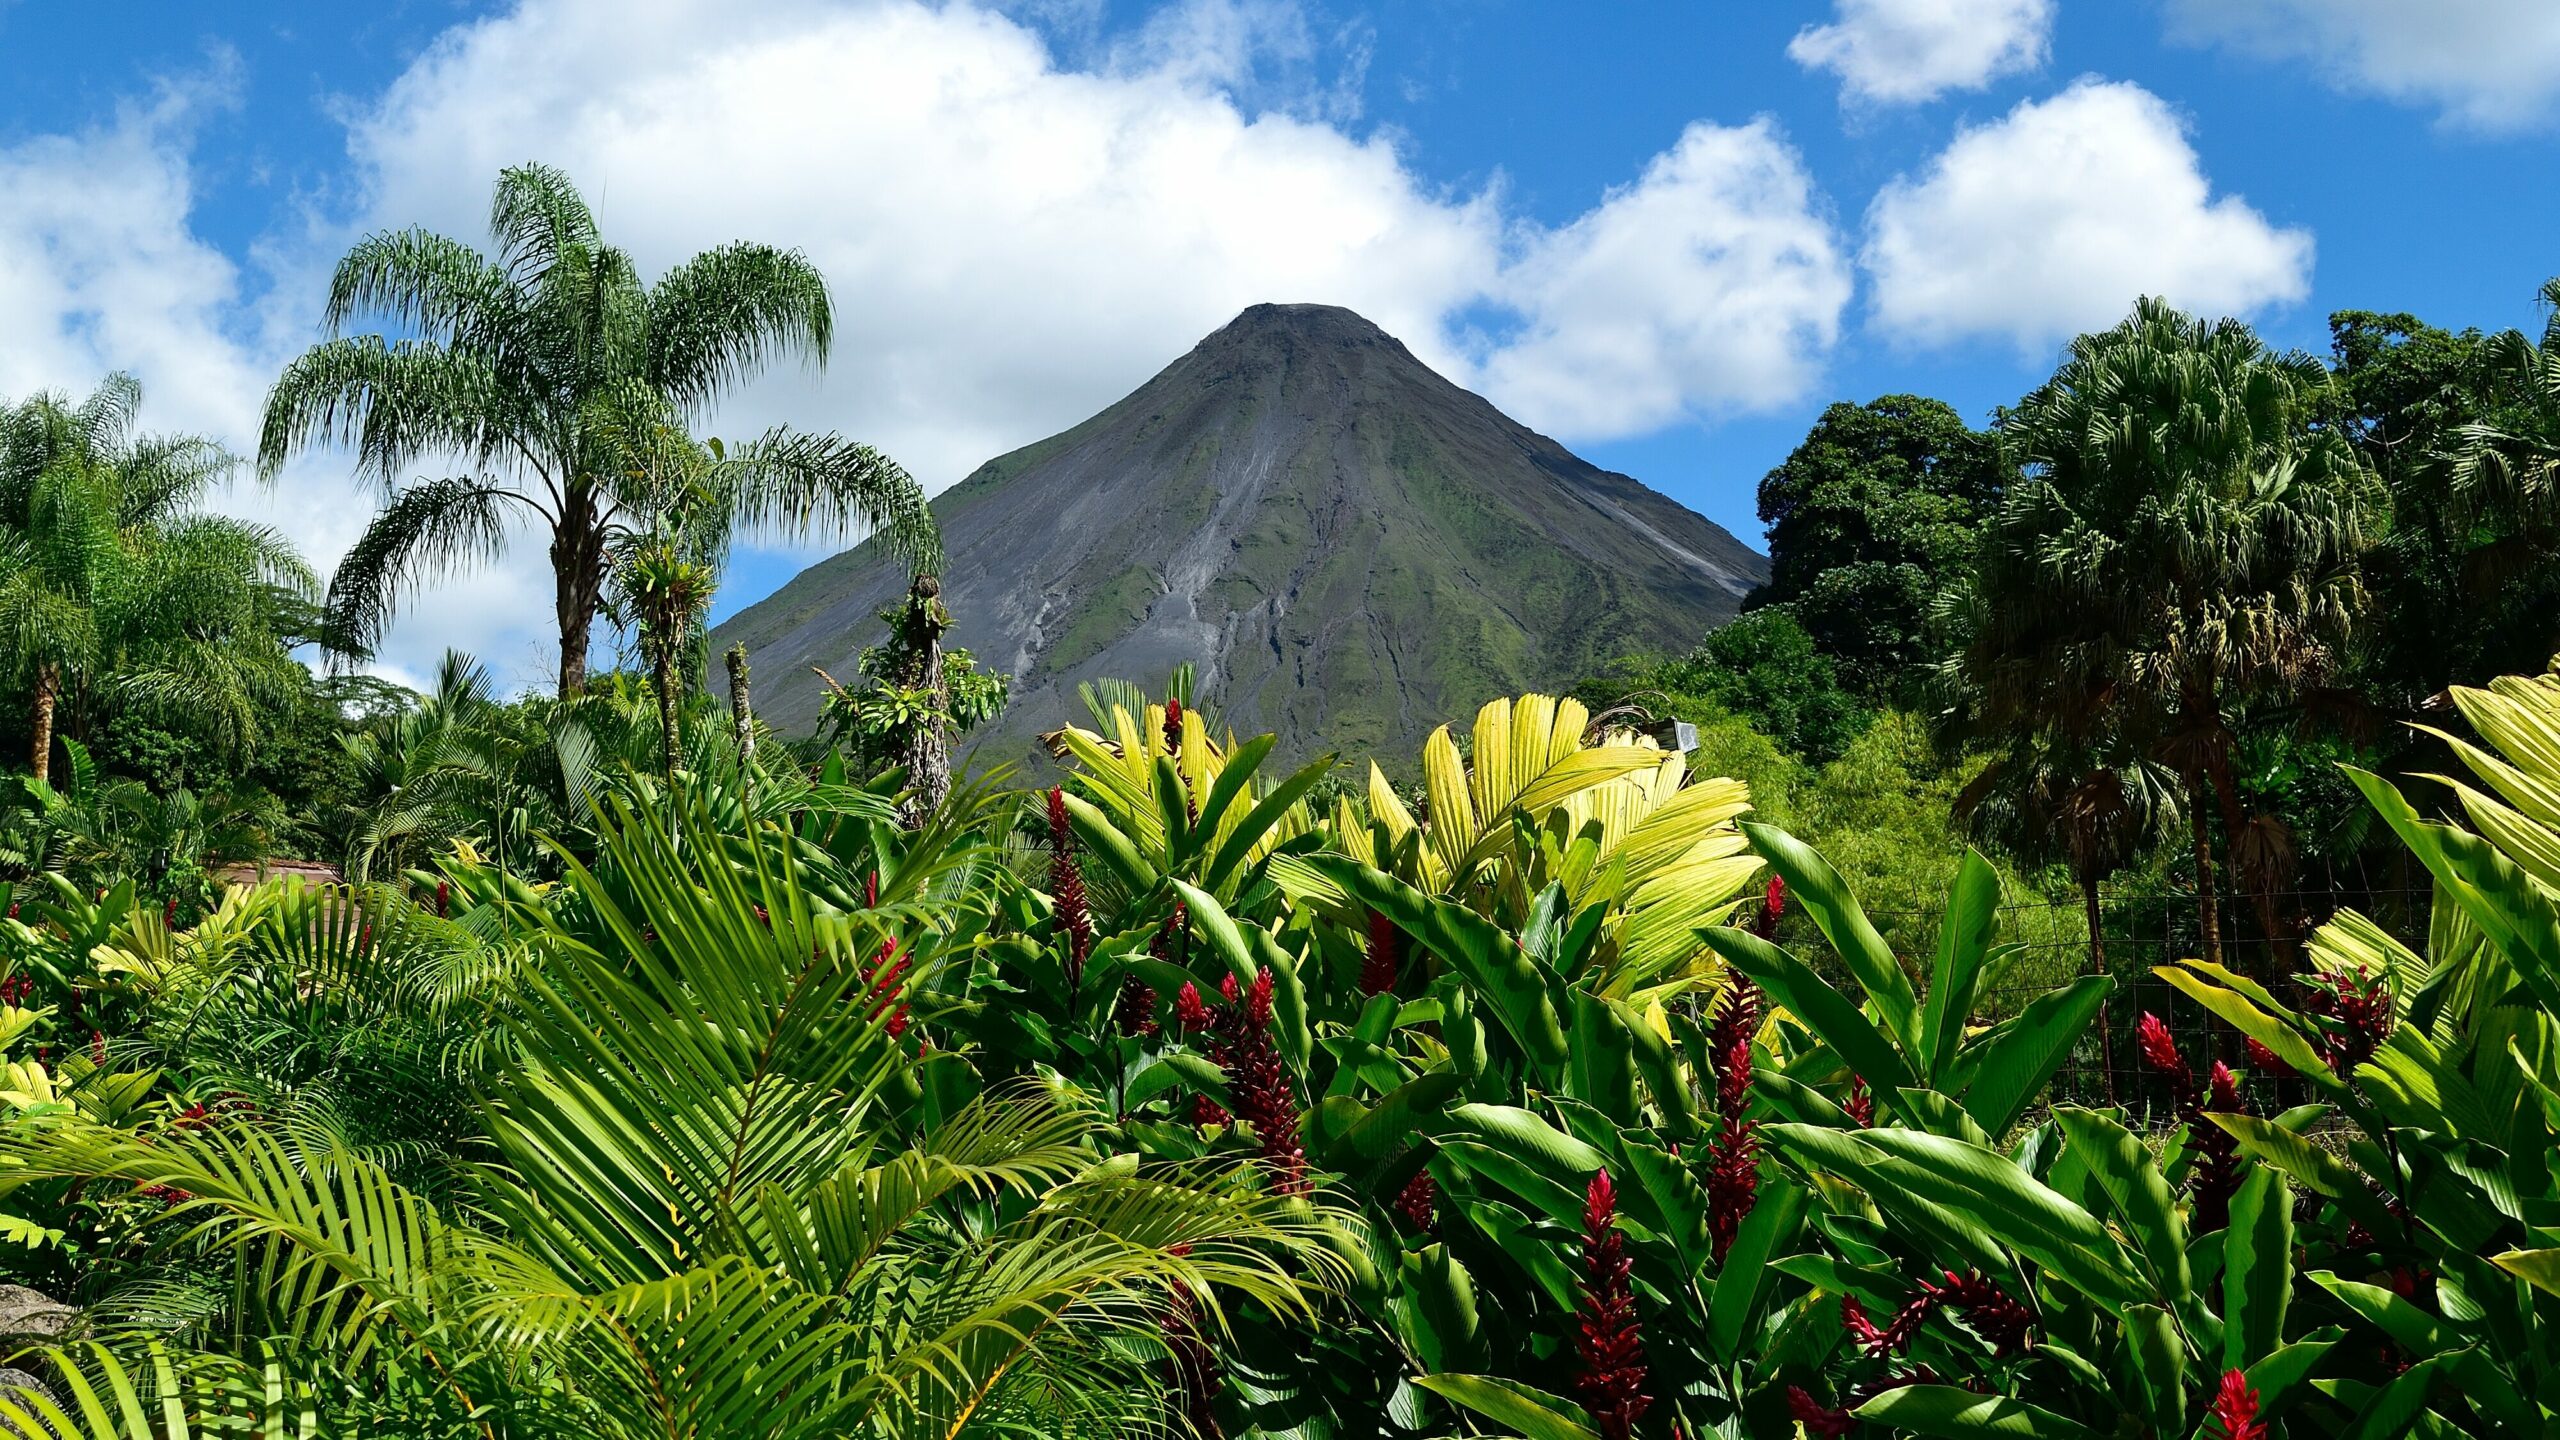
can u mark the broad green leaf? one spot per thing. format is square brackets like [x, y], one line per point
[1945, 1411]
[2123, 1168]
[2008, 1066]
[1964, 938]
[1825, 896]
[2244, 1015]
[2155, 1362]
[1532, 1412]
[1744, 1276]
[1990, 1190]
[2408, 1326]
[2257, 1268]
[2538, 1268]
[1489, 959]
[1824, 1010]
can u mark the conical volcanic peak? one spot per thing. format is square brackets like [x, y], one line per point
[1351, 548]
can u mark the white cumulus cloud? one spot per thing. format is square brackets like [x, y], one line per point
[1711, 283]
[2487, 64]
[1901, 52]
[2054, 218]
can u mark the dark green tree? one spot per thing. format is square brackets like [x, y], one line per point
[2463, 578]
[1869, 519]
[1762, 667]
[2183, 545]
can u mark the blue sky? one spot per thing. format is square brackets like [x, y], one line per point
[1667, 232]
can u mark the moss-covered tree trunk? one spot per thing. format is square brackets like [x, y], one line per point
[927, 747]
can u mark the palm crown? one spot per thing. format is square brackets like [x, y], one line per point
[108, 575]
[525, 369]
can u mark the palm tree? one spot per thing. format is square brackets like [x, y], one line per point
[2183, 543]
[518, 368]
[107, 575]
[2505, 472]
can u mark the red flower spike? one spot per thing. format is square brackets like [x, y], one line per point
[1066, 889]
[1861, 1106]
[2003, 1323]
[883, 978]
[2216, 1175]
[2160, 1052]
[1818, 1419]
[1418, 1199]
[1257, 1005]
[169, 912]
[1190, 1009]
[1610, 1343]
[444, 897]
[2223, 1090]
[2357, 1012]
[1172, 726]
[1134, 1012]
[1733, 1153]
[1378, 970]
[2265, 1060]
[2235, 1409]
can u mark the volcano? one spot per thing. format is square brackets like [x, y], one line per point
[1351, 548]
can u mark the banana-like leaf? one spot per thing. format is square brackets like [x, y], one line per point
[1954, 1414]
[1532, 1412]
[1825, 896]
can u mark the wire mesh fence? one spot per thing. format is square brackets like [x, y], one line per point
[2048, 945]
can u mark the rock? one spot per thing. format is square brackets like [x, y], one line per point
[33, 1316]
[14, 1380]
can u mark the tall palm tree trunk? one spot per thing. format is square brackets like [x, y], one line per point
[577, 569]
[2255, 877]
[48, 693]
[928, 755]
[2098, 966]
[742, 721]
[2200, 830]
[662, 673]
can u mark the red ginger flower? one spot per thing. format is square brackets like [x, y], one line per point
[2216, 1176]
[1733, 1153]
[1610, 1344]
[1861, 1106]
[883, 978]
[2003, 1323]
[1417, 1200]
[1190, 1009]
[1135, 1011]
[1896, 1335]
[1259, 1083]
[2235, 1409]
[1066, 889]
[2160, 1052]
[1378, 970]
[1773, 903]
[1172, 725]
[1817, 1418]
[444, 897]
[2266, 1060]
[2358, 1010]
